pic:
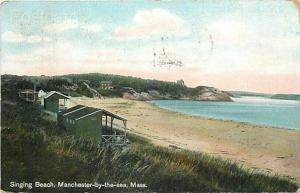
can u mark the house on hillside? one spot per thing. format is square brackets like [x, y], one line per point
[93, 123]
[106, 85]
[54, 101]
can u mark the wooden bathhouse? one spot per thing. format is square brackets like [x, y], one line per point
[93, 123]
[54, 101]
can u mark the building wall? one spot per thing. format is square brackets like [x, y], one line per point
[52, 103]
[88, 127]
[60, 121]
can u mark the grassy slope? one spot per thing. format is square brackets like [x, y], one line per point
[30, 157]
[32, 149]
[171, 89]
[64, 84]
[139, 84]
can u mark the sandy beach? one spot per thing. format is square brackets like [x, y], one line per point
[272, 150]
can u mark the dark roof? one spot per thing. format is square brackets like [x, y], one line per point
[80, 111]
[72, 109]
[55, 92]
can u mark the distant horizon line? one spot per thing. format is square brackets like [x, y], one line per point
[238, 90]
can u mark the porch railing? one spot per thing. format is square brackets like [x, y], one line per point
[114, 139]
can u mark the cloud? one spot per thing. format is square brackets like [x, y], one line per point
[67, 54]
[153, 22]
[10, 36]
[70, 24]
[76, 57]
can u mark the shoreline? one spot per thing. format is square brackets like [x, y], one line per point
[225, 120]
[268, 149]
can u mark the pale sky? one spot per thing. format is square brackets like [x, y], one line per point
[229, 44]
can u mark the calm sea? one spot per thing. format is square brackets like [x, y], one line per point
[257, 110]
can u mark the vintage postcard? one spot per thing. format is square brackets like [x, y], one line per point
[150, 96]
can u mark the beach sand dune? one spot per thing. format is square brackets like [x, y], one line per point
[272, 150]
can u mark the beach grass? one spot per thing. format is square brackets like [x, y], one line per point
[40, 156]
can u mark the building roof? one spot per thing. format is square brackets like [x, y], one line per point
[55, 92]
[83, 112]
[80, 111]
[70, 110]
[41, 93]
[113, 115]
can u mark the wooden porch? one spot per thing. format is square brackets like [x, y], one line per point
[113, 134]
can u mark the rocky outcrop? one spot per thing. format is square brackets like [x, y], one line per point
[155, 94]
[138, 96]
[130, 93]
[201, 94]
[210, 94]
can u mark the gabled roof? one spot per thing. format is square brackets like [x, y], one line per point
[83, 112]
[80, 111]
[70, 110]
[113, 115]
[41, 93]
[55, 92]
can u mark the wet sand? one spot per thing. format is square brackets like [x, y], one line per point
[272, 150]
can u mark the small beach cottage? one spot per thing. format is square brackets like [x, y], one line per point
[93, 123]
[54, 101]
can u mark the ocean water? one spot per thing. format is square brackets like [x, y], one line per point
[256, 110]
